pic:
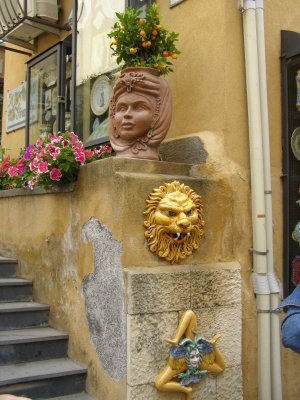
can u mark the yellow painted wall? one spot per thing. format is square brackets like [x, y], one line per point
[209, 99]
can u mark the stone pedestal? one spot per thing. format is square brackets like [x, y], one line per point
[156, 298]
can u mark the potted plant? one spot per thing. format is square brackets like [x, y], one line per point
[141, 104]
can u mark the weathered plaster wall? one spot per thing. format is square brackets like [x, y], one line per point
[76, 247]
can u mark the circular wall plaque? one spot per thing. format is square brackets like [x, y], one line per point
[295, 143]
[100, 95]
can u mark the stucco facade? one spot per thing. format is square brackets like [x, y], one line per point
[209, 102]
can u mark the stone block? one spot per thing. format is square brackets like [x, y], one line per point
[153, 290]
[147, 350]
[217, 285]
[188, 150]
[226, 321]
[143, 392]
[230, 384]
[205, 390]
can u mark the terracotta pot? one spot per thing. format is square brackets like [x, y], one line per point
[140, 113]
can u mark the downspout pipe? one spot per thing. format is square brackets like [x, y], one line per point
[276, 388]
[260, 280]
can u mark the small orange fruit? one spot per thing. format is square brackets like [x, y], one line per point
[174, 56]
[115, 41]
[132, 50]
[145, 44]
[141, 21]
[153, 37]
[155, 65]
[122, 28]
[148, 43]
[158, 27]
[165, 53]
[143, 33]
[163, 67]
[155, 33]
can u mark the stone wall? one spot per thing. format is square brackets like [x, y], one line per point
[85, 251]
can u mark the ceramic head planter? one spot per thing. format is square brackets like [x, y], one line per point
[174, 221]
[140, 113]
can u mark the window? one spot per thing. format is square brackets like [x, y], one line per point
[290, 64]
[48, 98]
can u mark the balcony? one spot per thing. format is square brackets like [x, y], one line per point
[21, 21]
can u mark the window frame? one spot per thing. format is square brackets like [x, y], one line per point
[290, 51]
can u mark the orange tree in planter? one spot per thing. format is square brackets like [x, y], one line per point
[145, 42]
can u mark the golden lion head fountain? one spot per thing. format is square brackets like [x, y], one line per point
[174, 221]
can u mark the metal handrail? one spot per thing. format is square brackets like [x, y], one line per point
[9, 23]
[4, 19]
[15, 19]
[21, 8]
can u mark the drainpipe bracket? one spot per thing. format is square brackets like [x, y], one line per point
[261, 253]
[274, 282]
[260, 311]
[244, 5]
[259, 4]
[260, 283]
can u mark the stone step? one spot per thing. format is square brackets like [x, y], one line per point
[8, 267]
[23, 314]
[15, 289]
[32, 344]
[77, 396]
[43, 379]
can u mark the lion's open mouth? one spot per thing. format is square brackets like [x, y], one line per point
[180, 237]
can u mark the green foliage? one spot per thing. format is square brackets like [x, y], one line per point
[143, 42]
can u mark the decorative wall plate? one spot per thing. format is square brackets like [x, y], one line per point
[295, 143]
[100, 95]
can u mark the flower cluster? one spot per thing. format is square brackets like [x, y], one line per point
[52, 161]
[143, 42]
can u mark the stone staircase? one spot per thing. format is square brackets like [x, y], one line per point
[33, 357]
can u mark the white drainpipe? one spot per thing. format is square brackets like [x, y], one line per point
[273, 283]
[264, 281]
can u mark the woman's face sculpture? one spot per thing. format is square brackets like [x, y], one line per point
[195, 358]
[133, 117]
[140, 113]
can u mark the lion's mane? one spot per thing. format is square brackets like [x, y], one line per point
[158, 239]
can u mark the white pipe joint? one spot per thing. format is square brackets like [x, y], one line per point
[259, 4]
[244, 5]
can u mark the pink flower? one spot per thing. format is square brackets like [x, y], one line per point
[55, 154]
[107, 148]
[88, 153]
[55, 174]
[32, 165]
[5, 163]
[31, 183]
[20, 163]
[39, 143]
[79, 156]
[65, 143]
[12, 171]
[73, 137]
[99, 152]
[56, 139]
[43, 167]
